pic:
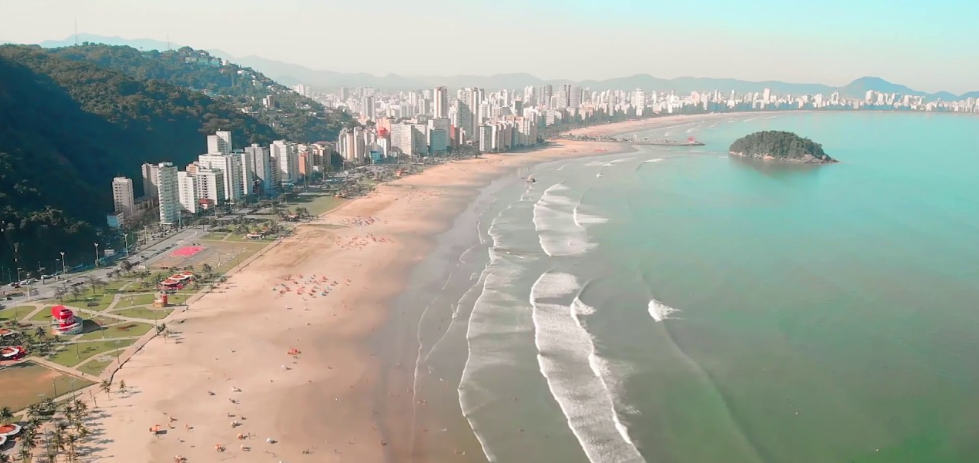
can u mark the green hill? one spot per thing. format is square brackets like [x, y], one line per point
[780, 146]
[293, 116]
[67, 128]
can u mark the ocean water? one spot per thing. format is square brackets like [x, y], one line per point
[678, 305]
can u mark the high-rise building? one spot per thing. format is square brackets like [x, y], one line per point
[210, 185]
[261, 168]
[168, 193]
[286, 162]
[230, 165]
[122, 195]
[188, 193]
[368, 109]
[219, 143]
[150, 174]
[438, 135]
[441, 102]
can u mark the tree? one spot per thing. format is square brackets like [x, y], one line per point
[207, 269]
[6, 415]
[106, 386]
[60, 293]
[126, 266]
[122, 387]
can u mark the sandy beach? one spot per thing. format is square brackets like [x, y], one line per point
[275, 364]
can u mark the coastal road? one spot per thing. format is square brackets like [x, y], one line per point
[145, 256]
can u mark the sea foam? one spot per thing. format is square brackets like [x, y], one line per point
[560, 225]
[577, 378]
[659, 311]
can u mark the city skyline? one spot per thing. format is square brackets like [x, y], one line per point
[830, 43]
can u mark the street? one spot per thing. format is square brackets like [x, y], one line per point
[145, 256]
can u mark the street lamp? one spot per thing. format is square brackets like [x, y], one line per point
[96, 255]
[64, 268]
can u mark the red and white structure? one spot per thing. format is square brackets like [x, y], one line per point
[176, 281]
[64, 321]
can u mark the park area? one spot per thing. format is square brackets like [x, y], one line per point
[27, 382]
[112, 316]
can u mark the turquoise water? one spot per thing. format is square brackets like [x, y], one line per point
[678, 305]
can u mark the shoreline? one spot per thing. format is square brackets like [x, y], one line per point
[330, 399]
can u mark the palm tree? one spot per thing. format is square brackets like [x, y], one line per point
[122, 387]
[106, 386]
[72, 441]
[25, 452]
[33, 411]
[40, 332]
[6, 415]
[4, 458]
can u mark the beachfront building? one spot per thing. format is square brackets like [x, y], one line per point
[285, 157]
[122, 196]
[187, 184]
[168, 192]
[210, 184]
[262, 181]
[231, 169]
[219, 143]
[150, 173]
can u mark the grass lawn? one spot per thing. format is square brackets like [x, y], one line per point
[245, 238]
[119, 330]
[97, 365]
[215, 236]
[135, 299]
[43, 316]
[11, 313]
[316, 204]
[145, 313]
[69, 357]
[22, 383]
[249, 250]
[103, 301]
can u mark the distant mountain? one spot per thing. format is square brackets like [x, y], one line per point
[67, 128]
[858, 88]
[969, 95]
[294, 117]
[292, 74]
[141, 44]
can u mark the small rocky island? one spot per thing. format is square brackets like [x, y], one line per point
[772, 145]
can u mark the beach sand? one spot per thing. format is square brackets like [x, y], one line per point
[227, 370]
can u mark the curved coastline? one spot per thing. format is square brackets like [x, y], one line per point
[351, 390]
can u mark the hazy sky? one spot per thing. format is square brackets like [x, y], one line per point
[928, 45]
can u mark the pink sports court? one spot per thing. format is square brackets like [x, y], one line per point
[187, 251]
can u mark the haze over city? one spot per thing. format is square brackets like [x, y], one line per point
[830, 42]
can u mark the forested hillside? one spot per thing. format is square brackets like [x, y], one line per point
[293, 116]
[67, 128]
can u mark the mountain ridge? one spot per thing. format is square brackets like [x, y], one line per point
[292, 74]
[68, 127]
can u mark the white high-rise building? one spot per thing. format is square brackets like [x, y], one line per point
[368, 108]
[441, 102]
[187, 184]
[247, 175]
[286, 162]
[219, 143]
[150, 173]
[122, 195]
[261, 168]
[230, 165]
[168, 192]
[210, 185]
